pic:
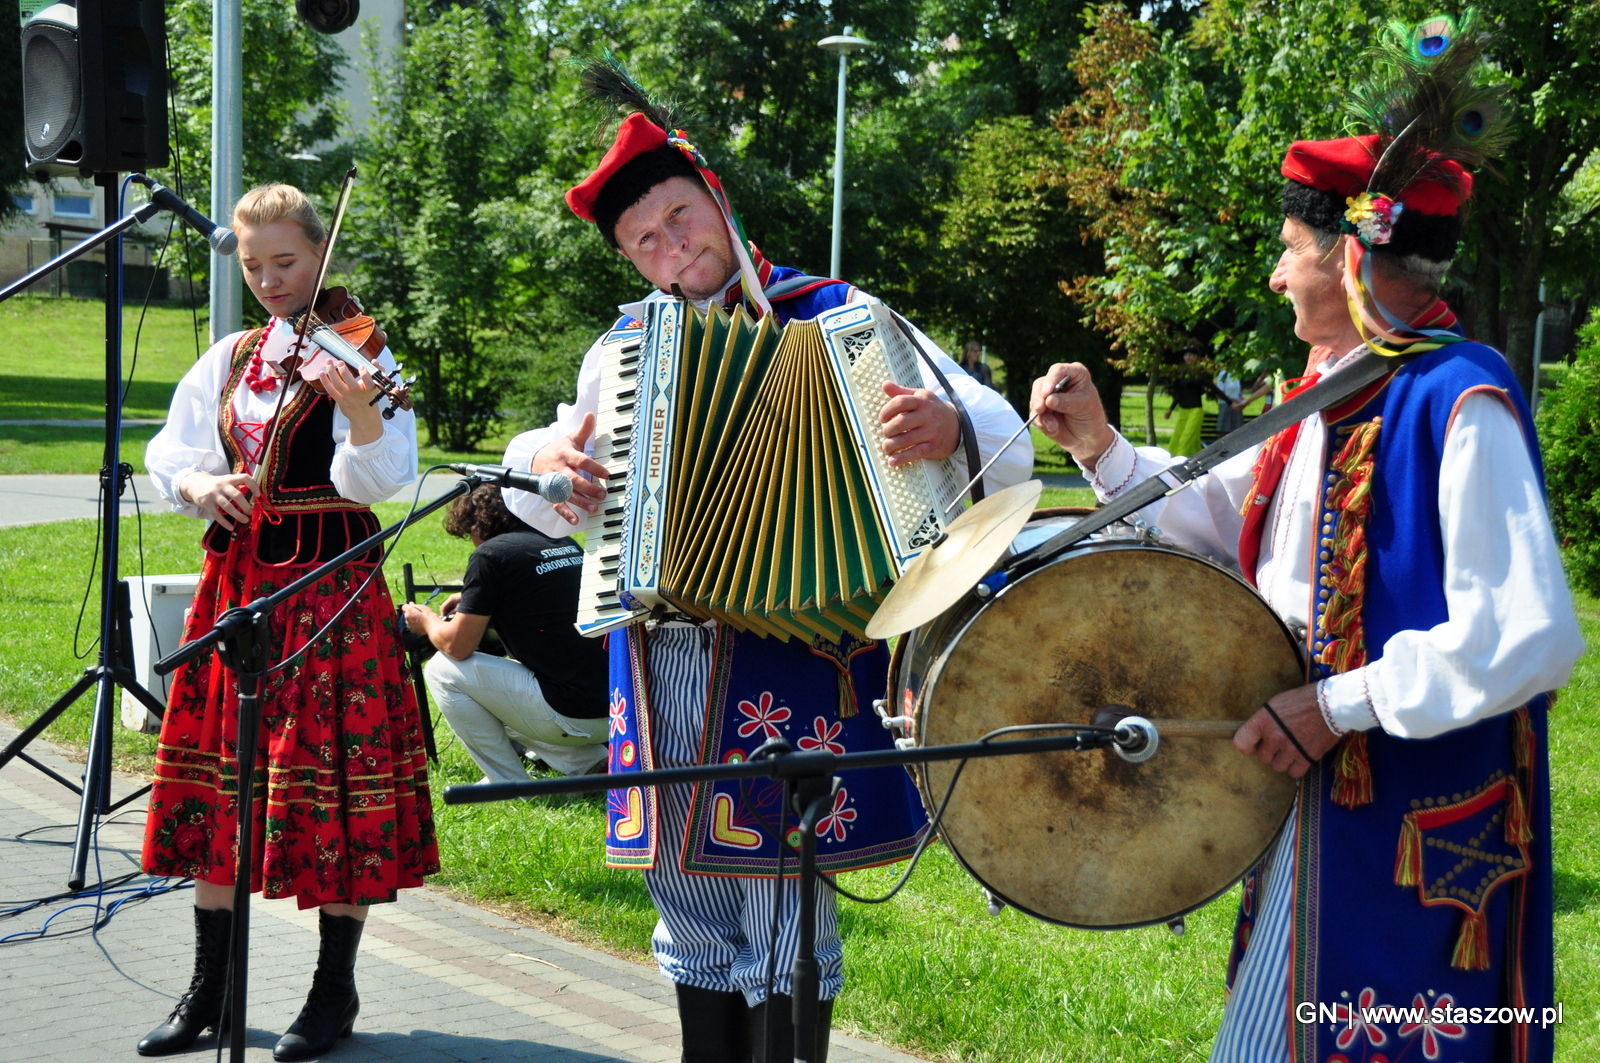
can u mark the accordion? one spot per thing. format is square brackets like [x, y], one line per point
[748, 479]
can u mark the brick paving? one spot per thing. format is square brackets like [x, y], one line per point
[439, 980]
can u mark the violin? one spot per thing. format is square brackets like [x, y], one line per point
[342, 332]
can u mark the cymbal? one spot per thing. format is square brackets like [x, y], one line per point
[942, 575]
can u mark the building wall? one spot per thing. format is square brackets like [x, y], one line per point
[56, 217]
[386, 19]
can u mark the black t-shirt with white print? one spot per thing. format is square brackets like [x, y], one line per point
[527, 584]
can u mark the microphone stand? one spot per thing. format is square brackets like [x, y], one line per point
[810, 780]
[242, 640]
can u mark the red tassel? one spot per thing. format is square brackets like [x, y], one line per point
[1408, 860]
[1472, 945]
[1352, 773]
[1519, 831]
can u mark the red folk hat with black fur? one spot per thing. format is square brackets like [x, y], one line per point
[1345, 167]
[636, 136]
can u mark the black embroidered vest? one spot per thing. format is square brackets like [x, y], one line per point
[314, 522]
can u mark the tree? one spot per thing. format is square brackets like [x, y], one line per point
[1570, 437]
[456, 129]
[1204, 116]
[1521, 217]
[1016, 238]
[291, 105]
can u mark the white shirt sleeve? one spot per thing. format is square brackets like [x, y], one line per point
[1511, 632]
[530, 508]
[375, 471]
[190, 441]
[1203, 517]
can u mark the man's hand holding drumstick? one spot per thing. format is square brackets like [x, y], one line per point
[1287, 733]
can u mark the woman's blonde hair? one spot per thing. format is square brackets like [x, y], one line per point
[266, 204]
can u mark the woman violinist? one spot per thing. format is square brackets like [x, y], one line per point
[342, 813]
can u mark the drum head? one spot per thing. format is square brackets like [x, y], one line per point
[1088, 839]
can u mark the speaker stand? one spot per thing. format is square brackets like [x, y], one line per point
[114, 667]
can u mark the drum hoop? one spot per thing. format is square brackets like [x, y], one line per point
[936, 669]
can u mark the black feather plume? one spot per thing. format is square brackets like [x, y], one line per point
[1430, 101]
[609, 84]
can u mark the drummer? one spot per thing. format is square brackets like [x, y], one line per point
[1405, 532]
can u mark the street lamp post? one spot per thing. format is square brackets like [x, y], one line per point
[227, 156]
[841, 45]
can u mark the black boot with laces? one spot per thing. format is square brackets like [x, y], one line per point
[332, 1005]
[201, 1006]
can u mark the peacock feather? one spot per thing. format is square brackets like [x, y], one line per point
[1430, 99]
[609, 84]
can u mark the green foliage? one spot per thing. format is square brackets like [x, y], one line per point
[1526, 224]
[292, 77]
[1188, 133]
[1569, 433]
[456, 129]
[1016, 237]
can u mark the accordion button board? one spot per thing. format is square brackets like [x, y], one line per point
[749, 483]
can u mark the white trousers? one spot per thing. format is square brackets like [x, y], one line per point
[1255, 1022]
[489, 701]
[715, 931]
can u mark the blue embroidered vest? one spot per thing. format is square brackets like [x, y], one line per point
[1422, 875]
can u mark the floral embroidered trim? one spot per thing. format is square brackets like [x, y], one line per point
[1366, 692]
[1327, 711]
[1340, 639]
[1133, 467]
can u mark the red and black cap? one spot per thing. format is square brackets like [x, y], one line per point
[639, 159]
[1328, 180]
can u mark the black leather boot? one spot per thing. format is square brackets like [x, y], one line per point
[201, 1006]
[332, 1005]
[714, 1025]
[775, 1016]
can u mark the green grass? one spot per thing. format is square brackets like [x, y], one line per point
[52, 367]
[52, 358]
[931, 971]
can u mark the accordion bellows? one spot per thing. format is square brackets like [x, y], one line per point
[756, 489]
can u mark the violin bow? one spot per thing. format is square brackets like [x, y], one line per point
[339, 207]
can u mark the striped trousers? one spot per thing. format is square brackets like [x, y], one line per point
[715, 931]
[1255, 1023]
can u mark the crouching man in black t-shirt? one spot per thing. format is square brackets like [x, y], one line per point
[550, 693]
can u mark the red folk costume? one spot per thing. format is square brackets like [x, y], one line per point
[343, 814]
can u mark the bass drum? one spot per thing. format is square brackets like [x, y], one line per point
[1088, 839]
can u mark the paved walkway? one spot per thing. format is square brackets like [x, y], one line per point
[439, 980]
[40, 498]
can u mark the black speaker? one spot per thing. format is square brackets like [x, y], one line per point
[329, 16]
[94, 87]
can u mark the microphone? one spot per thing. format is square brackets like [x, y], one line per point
[1136, 739]
[553, 486]
[222, 239]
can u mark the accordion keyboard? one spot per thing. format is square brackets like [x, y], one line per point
[599, 607]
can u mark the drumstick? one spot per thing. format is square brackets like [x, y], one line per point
[1109, 715]
[1196, 728]
[1059, 388]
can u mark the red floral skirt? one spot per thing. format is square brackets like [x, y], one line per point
[342, 812]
